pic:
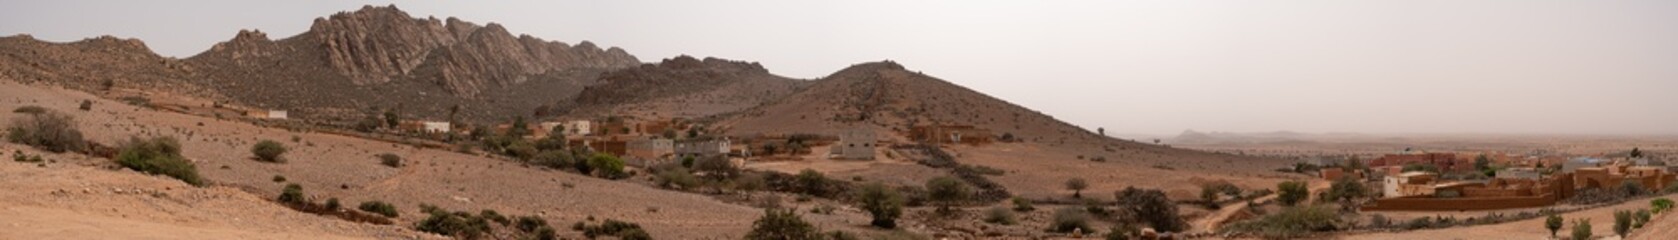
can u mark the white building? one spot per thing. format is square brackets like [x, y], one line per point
[579, 128]
[435, 127]
[856, 144]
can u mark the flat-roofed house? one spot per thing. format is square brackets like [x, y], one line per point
[703, 147]
[649, 152]
[855, 144]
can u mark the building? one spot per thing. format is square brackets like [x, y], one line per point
[1409, 184]
[268, 114]
[855, 144]
[1443, 161]
[1519, 173]
[1583, 162]
[1614, 175]
[951, 134]
[1335, 173]
[649, 152]
[579, 128]
[704, 147]
[1499, 193]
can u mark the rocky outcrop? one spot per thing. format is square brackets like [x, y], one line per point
[377, 45]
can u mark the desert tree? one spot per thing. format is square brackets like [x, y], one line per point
[1151, 206]
[45, 129]
[1077, 185]
[946, 191]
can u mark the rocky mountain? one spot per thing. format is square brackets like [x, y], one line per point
[345, 65]
[684, 86]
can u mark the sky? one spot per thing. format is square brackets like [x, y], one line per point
[1131, 67]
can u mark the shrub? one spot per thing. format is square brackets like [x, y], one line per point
[1022, 204]
[1077, 185]
[268, 151]
[1582, 228]
[86, 105]
[946, 191]
[292, 194]
[677, 177]
[716, 167]
[1553, 223]
[381, 208]
[161, 155]
[1622, 222]
[1291, 222]
[782, 224]
[494, 216]
[1419, 223]
[999, 215]
[1633, 188]
[623, 230]
[606, 166]
[1346, 189]
[545, 233]
[881, 202]
[1292, 192]
[1661, 205]
[459, 224]
[1069, 219]
[45, 129]
[557, 159]
[390, 160]
[1152, 207]
[278, 178]
[811, 182]
[1642, 217]
[333, 204]
[530, 223]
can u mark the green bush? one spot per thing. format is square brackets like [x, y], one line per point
[45, 129]
[677, 177]
[379, 207]
[1077, 185]
[782, 224]
[333, 204]
[1640, 218]
[1292, 192]
[881, 202]
[161, 155]
[1553, 223]
[496, 217]
[268, 151]
[293, 194]
[811, 182]
[610, 227]
[1068, 219]
[1661, 205]
[390, 160]
[607, 166]
[1622, 222]
[1582, 229]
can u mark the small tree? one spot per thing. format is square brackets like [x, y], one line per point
[392, 120]
[1482, 163]
[882, 202]
[1291, 192]
[1553, 222]
[1152, 207]
[947, 191]
[1582, 228]
[1077, 185]
[777, 224]
[1022, 204]
[293, 194]
[268, 151]
[1636, 153]
[999, 215]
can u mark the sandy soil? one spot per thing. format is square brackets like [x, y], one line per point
[73, 197]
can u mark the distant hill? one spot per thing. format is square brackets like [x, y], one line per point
[683, 87]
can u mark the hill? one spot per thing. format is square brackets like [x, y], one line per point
[683, 87]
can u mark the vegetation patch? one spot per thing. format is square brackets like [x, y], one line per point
[161, 156]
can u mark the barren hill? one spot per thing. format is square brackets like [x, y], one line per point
[684, 87]
[886, 95]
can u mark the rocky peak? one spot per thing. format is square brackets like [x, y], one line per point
[376, 44]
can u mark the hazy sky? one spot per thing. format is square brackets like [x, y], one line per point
[1144, 67]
